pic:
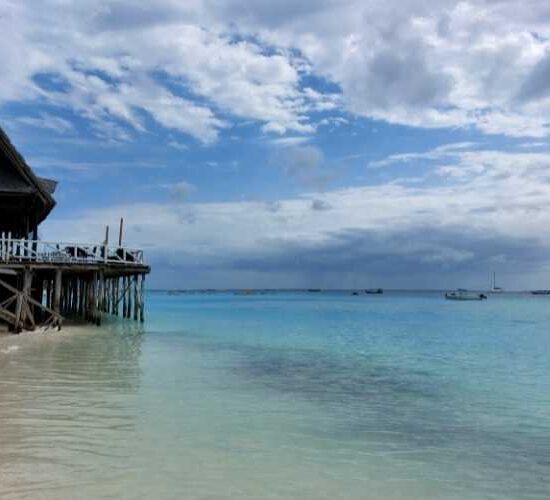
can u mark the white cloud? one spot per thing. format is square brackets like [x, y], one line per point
[150, 59]
[426, 63]
[485, 196]
[47, 121]
[423, 63]
[433, 154]
[290, 141]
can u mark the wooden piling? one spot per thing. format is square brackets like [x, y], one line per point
[124, 296]
[136, 297]
[142, 299]
[57, 291]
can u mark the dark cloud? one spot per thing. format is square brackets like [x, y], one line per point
[306, 165]
[537, 84]
[121, 15]
[421, 250]
[268, 12]
[273, 206]
[299, 161]
[403, 78]
[320, 205]
[182, 190]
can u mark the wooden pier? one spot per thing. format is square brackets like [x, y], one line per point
[42, 283]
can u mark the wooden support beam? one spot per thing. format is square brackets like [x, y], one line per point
[22, 310]
[18, 310]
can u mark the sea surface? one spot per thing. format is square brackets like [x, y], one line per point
[284, 396]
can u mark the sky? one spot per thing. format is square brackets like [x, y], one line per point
[285, 144]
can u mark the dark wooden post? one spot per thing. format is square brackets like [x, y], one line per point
[120, 232]
[100, 296]
[57, 291]
[124, 297]
[142, 299]
[93, 298]
[81, 295]
[136, 297]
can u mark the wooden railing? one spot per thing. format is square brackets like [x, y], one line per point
[23, 250]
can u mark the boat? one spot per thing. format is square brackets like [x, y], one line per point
[540, 292]
[462, 294]
[494, 287]
[374, 291]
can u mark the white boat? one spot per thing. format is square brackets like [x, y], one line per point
[462, 294]
[494, 287]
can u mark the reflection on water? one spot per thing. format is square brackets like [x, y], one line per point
[67, 407]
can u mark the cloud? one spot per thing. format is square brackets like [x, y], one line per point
[425, 63]
[437, 153]
[47, 121]
[290, 141]
[198, 67]
[305, 165]
[273, 206]
[178, 145]
[182, 190]
[299, 161]
[111, 62]
[537, 84]
[388, 253]
[480, 211]
[320, 205]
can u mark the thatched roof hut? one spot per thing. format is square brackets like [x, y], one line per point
[25, 199]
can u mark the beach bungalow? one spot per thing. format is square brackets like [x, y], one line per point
[43, 282]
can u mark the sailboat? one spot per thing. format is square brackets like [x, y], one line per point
[495, 288]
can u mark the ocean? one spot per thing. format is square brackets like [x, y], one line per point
[284, 396]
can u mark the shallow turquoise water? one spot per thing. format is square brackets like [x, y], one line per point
[329, 395]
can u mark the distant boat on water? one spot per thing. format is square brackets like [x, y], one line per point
[315, 290]
[494, 287]
[374, 291]
[540, 292]
[462, 294]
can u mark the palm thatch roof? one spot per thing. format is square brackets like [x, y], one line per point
[20, 189]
